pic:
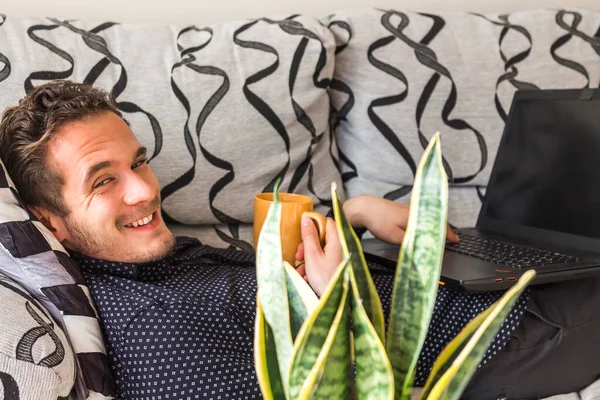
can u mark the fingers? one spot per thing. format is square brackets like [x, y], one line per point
[310, 239]
[320, 263]
[300, 252]
[332, 239]
[450, 235]
[301, 270]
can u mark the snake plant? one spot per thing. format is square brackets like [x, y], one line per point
[336, 347]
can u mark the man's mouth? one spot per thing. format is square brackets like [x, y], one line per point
[141, 222]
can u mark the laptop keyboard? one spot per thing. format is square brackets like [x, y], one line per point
[506, 253]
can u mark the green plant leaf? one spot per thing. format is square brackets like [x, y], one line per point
[457, 369]
[315, 331]
[272, 286]
[331, 375]
[374, 376]
[452, 349]
[265, 358]
[351, 247]
[418, 269]
[301, 298]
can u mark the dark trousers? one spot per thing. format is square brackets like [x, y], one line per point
[555, 350]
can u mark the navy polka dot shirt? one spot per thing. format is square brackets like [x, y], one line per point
[182, 327]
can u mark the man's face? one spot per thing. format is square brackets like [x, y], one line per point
[111, 193]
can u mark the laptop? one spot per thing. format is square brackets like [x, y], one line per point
[541, 209]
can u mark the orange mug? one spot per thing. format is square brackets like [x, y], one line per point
[293, 207]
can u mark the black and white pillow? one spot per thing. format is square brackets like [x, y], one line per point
[32, 257]
[36, 359]
[402, 76]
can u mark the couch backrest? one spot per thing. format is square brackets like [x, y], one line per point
[228, 108]
[224, 110]
[402, 76]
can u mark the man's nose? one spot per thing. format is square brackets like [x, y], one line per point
[137, 190]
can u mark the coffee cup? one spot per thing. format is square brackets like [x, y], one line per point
[293, 208]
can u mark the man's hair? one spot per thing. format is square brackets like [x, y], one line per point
[27, 129]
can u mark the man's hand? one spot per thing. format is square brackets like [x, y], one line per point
[385, 219]
[320, 263]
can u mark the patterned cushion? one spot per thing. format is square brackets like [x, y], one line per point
[31, 256]
[36, 360]
[401, 76]
[224, 110]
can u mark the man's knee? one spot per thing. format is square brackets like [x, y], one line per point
[554, 350]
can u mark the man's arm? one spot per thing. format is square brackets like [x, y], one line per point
[385, 219]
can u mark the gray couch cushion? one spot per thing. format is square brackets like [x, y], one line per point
[402, 76]
[224, 110]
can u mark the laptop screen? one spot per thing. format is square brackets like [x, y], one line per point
[547, 170]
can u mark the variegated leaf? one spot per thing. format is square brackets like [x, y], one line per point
[272, 287]
[351, 247]
[374, 376]
[418, 269]
[314, 332]
[472, 343]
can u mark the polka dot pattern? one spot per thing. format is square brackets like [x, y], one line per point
[182, 327]
[451, 313]
[177, 328]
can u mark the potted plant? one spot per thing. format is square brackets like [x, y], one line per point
[336, 347]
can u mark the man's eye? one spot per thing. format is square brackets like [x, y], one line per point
[102, 183]
[137, 164]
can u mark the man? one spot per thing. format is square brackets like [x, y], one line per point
[178, 316]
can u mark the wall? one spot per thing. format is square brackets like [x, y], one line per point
[208, 11]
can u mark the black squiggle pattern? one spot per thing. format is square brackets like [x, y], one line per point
[188, 176]
[233, 240]
[47, 75]
[510, 63]
[337, 116]
[301, 115]
[398, 193]
[213, 101]
[561, 41]
[381, 126]
[291, 27]
[188, 59]
[428, 58]
[24, 349]
[5, 72]
[573, 31]
[10, 387]
[98, 43]
[25, 345]
[259, 104]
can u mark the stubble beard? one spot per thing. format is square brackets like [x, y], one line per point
[97, 245]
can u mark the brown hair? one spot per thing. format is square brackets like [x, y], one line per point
[27, 128]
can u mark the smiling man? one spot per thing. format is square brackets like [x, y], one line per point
[178, 316]
[112, 201]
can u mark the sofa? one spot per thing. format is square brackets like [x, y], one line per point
[227, 109]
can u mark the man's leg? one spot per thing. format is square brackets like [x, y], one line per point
[555, 349]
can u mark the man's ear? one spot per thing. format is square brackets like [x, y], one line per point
[50, 221]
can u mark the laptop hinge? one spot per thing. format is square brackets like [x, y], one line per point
[586, 94]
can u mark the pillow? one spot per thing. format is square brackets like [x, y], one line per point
[36, 360]
[224, 110]
[31, 256]
[402, 76]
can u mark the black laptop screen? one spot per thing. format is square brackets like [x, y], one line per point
[547, 172]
